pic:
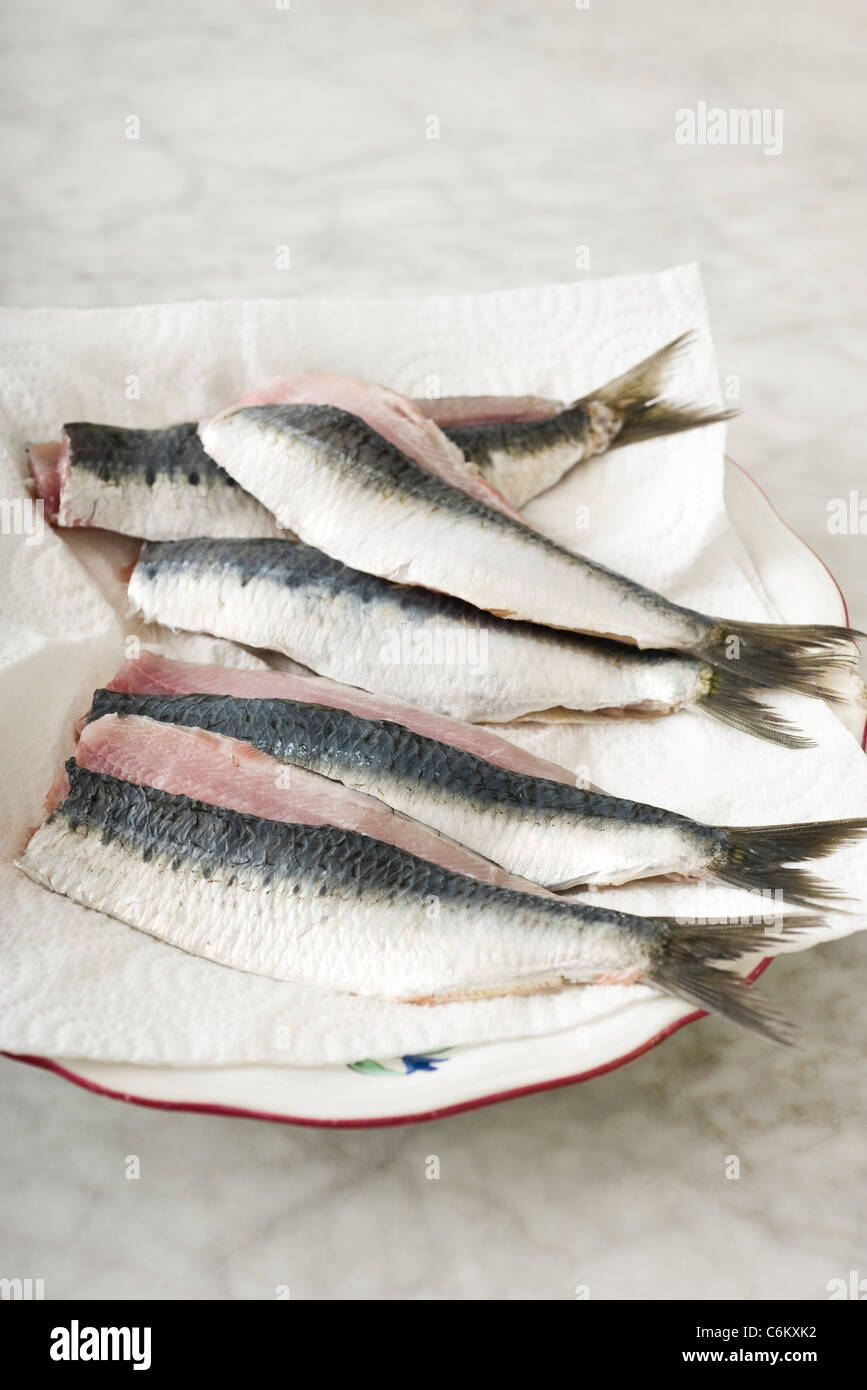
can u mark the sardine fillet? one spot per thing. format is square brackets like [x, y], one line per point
[210, 766]
[546, 831]
[331, 479]
[422, 648]
[327, 476]
[155, 483]
[150, 674]
[314, 904]
[334, 908]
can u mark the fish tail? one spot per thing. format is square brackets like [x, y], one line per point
[765, 858]
[728, 699]
[666, 417]
[684, 970]
[635, 400]
[816, 660]
[719, 992]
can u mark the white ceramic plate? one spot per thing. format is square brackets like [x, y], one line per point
[408, 1089]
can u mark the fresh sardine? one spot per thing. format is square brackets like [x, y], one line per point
[424, 648]
[331, 479]
[328, 906]
[497, 448]
[160, 484]
[554, 834]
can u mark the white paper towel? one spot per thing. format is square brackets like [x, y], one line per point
[77, 984]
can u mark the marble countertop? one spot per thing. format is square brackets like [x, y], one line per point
[308, 127]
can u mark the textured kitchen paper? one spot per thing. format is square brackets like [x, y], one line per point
[74, 983]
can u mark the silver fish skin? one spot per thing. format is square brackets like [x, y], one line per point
[339, 486]
[161, 485]
[525, 457]
[337, 909]
[330, 478]
[158, 484]
[549, 832]
[428, 649]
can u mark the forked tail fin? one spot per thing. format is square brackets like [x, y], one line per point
[817, 660]
[684, 971]
[764, 858]
[666, 417]
[720, 992]
[728, 699]
[635, 399]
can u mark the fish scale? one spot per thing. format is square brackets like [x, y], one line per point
[546, 831]
[331, 479]
[93, 476]
[326, 906]
[157, 482]
[426, 648]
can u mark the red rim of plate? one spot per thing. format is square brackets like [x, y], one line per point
[384, 1121]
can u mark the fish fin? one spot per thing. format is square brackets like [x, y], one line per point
[720, 992]
[728, 699]
[666, 417]
[816, 660]
[635, 400]
[684, 970]
[763, 858]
